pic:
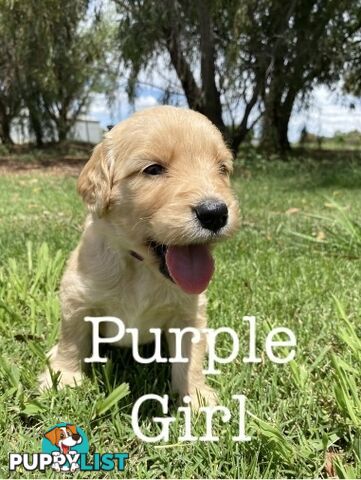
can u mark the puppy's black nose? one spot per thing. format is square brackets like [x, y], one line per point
[212, 214]
[75, 436]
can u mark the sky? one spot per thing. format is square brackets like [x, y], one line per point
[328, 113]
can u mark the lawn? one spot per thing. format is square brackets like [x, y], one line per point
[295, 262]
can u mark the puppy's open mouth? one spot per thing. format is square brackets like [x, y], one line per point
[191, 267]
[65, 448]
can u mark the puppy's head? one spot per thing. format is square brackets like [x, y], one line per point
[160, 180]
[64, 437]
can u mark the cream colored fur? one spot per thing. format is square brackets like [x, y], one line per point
[126, 209]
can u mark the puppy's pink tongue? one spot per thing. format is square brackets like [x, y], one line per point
[190, 267]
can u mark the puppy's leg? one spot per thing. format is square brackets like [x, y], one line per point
[67, 356]
[188, 378]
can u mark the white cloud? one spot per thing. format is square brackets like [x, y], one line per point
[120, 109]
[329, 112]
[145, 102]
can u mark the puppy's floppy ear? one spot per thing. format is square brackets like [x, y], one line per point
[95, 181]
[52, 436]
[72, 428]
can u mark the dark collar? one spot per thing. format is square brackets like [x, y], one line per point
[136, 255]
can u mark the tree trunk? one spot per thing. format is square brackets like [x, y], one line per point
[62, 134]
[179, 60]
[204, 99]
[5, 136]
[62, 126]
[276, 118]
[284, 119]
[269, 140]
[212, 106]
[282, 132]
[269, 137]
[5, 124]
[275, 132]
[239, 135]
[37, 129]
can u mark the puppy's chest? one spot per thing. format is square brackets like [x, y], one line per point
[142, 304]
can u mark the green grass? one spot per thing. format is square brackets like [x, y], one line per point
[295, 262]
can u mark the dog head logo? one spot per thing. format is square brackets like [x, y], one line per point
[64, 437]
[65, 441]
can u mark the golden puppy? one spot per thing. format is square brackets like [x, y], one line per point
[158, 192]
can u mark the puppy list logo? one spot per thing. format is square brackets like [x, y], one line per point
[65, 448]
[65, 442]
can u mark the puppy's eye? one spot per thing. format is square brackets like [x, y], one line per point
[154, 169]
[223, 169]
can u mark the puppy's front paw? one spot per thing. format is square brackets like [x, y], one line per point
[66, 377]
[60, 371]
[202, 396]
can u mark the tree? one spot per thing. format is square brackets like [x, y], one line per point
[10, 98]
[77, 62]
[197, 38]
[306, 45]
[352, 70]
[62, 59]
[232, 56]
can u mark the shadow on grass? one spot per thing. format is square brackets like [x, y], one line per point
[142, 379]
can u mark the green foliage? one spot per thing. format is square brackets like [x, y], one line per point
[76, 62]
[261, 55]
[306, 42]
[61, 58]
[10, 97]
[193, 40]
[352, 79]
